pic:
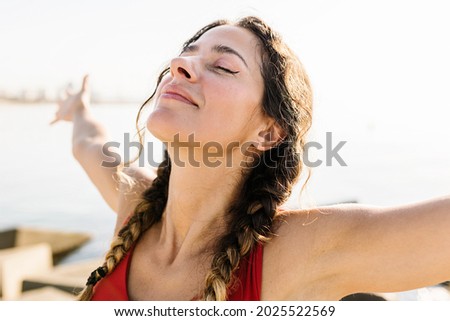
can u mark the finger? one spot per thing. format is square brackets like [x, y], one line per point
[85, 85]
[54, 121]
[69, 92]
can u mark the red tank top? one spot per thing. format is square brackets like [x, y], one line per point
[113, 287]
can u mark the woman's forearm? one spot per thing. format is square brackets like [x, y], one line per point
[87, 131]
[88, 139]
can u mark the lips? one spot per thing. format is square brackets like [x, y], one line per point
[176, 92]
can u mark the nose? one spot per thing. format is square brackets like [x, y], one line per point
[183, 67]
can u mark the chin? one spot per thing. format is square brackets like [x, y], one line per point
[165, 124]
[159, 124]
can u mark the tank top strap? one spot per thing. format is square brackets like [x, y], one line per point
[113, 287]
[248, 277]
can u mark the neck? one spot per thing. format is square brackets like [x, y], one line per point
[198, 200]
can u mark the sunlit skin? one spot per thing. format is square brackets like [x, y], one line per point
[319, 254]
[226, 108]
[225, 89]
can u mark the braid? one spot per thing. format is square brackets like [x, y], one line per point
[251, 217]
[146, 213]
[287, 99]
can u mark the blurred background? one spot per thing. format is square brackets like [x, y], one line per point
[379, 70]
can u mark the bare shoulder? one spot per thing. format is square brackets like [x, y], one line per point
[322, 221]
[132, 182]
[317, 222]
[305, 253]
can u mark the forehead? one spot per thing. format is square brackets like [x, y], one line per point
[237, 38]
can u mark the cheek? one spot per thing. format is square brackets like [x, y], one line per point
[230, 99]
[230, 111]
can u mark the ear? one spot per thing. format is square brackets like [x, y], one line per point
[270, 137]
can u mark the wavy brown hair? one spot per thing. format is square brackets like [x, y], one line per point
[269, 181]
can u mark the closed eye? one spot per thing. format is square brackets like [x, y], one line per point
[227, 70]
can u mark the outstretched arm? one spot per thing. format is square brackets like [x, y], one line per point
[88, 139]
[397, 248]
[329, 252]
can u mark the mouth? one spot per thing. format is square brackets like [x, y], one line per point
[174, 92]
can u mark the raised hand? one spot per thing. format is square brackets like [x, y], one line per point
[73, 102]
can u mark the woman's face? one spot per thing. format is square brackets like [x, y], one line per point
[214, 91]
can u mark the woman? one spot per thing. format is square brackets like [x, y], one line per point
[208, 224]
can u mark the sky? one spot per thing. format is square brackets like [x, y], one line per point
[349, 48]
[380, 70]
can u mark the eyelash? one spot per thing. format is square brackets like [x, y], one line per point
[227, 70]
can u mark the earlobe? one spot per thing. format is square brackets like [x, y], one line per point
[270, 137]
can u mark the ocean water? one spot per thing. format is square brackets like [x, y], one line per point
[390, 159]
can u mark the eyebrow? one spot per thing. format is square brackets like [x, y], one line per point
[218, 49]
